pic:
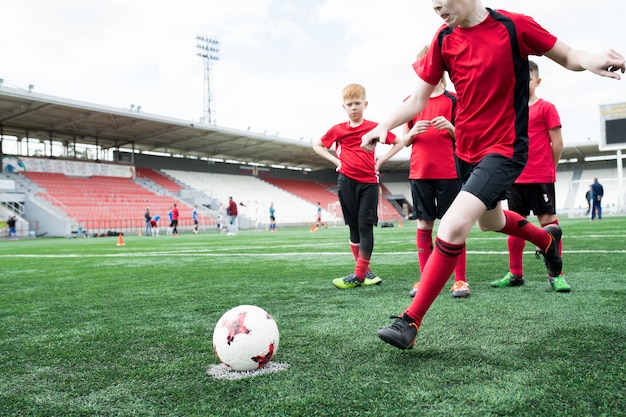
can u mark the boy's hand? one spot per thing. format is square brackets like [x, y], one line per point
[441, 123]
[421, 126]
[371, 138]
[607, 64]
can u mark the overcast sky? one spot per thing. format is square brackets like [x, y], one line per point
[282, 64]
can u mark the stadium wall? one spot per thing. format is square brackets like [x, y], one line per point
[198, 165]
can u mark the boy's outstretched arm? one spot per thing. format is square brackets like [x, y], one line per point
[321, 150]
[402, 114]
[607, 63]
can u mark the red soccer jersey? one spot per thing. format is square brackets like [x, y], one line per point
[432, 152]
[488, 64]
[356, 163]
[542, 116]
[232, 208]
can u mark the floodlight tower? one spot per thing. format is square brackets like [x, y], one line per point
[208, 50]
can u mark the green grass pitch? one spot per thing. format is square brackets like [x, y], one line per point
[89, 328]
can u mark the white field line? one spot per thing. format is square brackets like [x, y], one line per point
[244, 250]
[200, 253]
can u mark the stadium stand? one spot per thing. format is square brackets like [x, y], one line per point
[167, 183]
[101, 203]
[400, 188]
[254, 193]
[307, 190]
[400, 194]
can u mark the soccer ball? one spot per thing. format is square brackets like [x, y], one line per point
[245, 338]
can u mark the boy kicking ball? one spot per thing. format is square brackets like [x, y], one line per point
[485, 53]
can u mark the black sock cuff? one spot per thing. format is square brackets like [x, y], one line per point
[449, 249]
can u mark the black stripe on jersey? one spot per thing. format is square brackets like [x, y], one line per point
[453, 99]
[445, 32]
[452, 117]
[521, 92]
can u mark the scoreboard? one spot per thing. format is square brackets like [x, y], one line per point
[613, 122]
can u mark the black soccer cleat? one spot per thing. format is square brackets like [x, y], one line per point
[401, 333]
[551, 256]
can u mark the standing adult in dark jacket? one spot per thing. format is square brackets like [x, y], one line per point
[597, 192]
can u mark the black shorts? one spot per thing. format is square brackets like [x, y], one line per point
[432, 198]
[272, 218]
[540, 198]
[490, 179]
[359, 201]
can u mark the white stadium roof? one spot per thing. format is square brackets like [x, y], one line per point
[25, 114]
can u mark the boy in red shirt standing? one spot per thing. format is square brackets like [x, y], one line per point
[357, 183]
[534, 188]
[485, 52]
[433, 177]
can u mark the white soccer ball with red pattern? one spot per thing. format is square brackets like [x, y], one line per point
[245, 338]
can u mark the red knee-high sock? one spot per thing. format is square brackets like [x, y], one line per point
[516, 251]
[517, 225]
[424, 246]
[461, 263]
[362, 265]
[354, 247]
[438, 269]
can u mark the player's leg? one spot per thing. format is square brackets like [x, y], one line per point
[460, 287]
[518, 202]
[348, 199]
[368, 217]
[478, 201]
[544, 206]
[449, 244]
[424, 243]
[425, 211]
[366, 233]
[547, 238]
[499, 170]
[468, 206]
[446, 192]
[355, 240]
